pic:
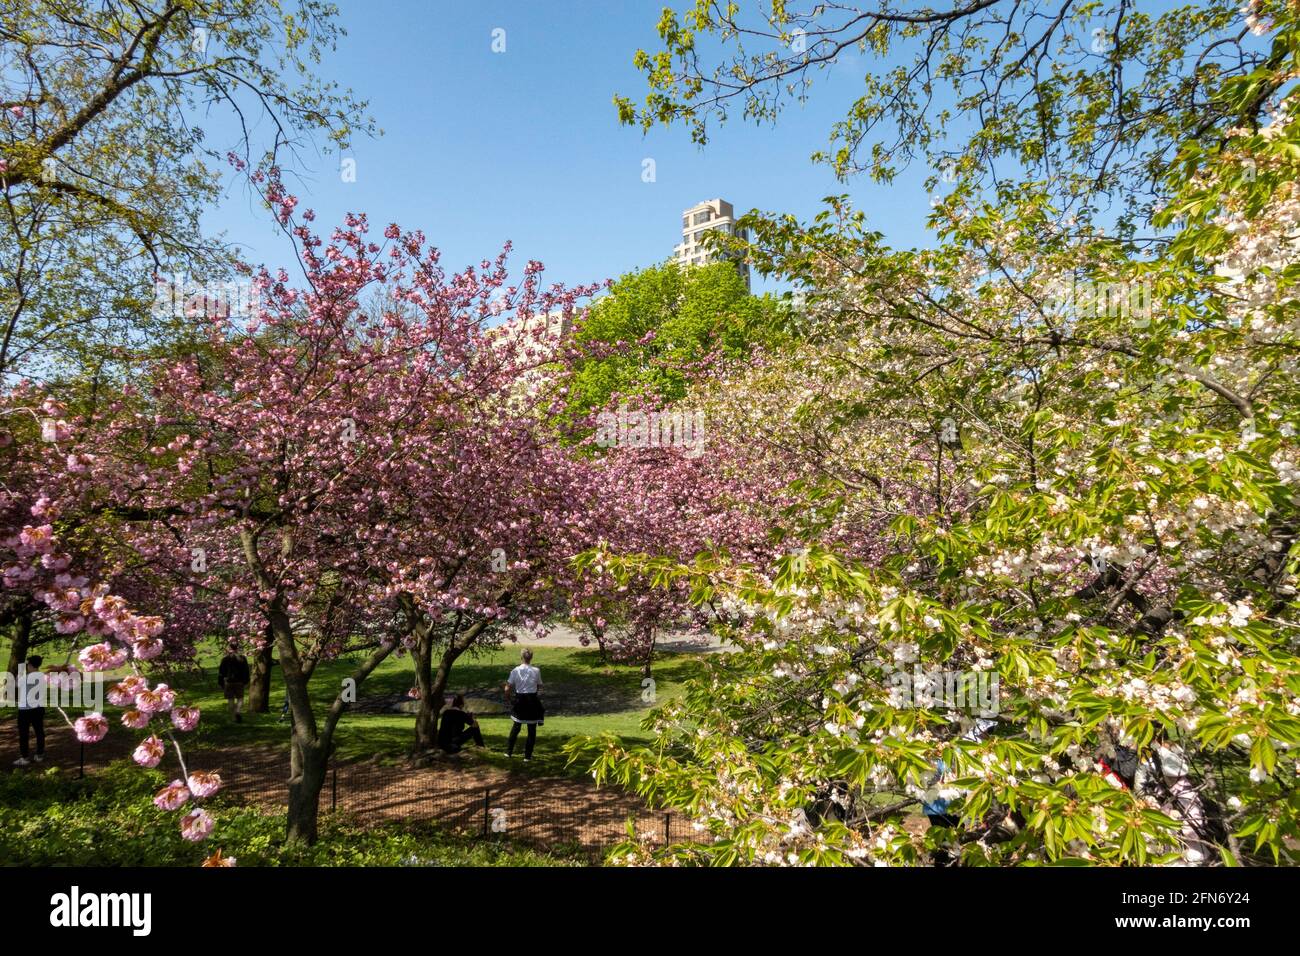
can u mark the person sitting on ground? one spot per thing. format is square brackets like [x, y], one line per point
[233, 676]
[31, 712]
[457, 726]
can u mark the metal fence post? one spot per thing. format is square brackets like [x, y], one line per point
[81, 772]
[334, 788]
[668, 822]
[487, 803]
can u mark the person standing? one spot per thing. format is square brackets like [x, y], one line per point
[524, 691]
[31, 712]
[233, 676]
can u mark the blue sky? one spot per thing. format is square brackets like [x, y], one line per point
[480, 147]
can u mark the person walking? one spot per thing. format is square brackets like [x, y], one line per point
[31, 712]
[524, 691]
[233, 676]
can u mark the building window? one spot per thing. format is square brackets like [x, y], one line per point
[705, 216]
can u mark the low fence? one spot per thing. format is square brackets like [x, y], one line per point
[472, 801]
[550, 814]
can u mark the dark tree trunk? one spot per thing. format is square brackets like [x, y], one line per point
[433, 684]
[433, 689]
[438, 691]
[649, 655]
[308, 752]
[22, 637]
[599, 634]
[306, 779]
[426, 718]
[310, 744]
[259, 686]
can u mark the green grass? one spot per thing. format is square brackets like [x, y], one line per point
[582, 696]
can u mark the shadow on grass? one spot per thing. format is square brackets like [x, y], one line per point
[583, 696]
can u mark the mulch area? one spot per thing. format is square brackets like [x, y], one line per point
[470, 797]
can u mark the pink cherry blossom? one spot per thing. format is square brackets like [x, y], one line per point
[102, 657]
[196, 825]
[204, 784]
[156, 701]
[91, 729]
[150, 751]
[147, 649]
[39, 537]
[172, 797]
[123, 694]
[185, 718]
[135, 719]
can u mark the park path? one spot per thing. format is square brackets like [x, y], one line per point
[676, 642]
[459, 792]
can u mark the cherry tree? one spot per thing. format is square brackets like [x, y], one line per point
[322, 464]
[55, 565]
[666, 501]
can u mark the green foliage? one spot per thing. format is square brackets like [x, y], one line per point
[1090, 97]
[109, 819]
[1112, 531]
[658, 325]
[106, 164]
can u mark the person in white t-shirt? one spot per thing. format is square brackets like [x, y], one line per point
[523, 690]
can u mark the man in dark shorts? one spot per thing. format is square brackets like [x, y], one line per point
[457, 727]
[233, 675]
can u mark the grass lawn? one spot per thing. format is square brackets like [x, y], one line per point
[582, 696]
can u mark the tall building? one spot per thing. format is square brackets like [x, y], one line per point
[701, 218]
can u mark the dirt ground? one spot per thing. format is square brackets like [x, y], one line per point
[471, 797]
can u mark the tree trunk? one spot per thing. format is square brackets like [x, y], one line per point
[307, 778]
[432, 701]
[309, 752]
[311, 745]
[426, 718]
[259, 687]
[649, 654]
[433, 692]
[438, 693]
[599, 634]
[22, 635]
[433, 686]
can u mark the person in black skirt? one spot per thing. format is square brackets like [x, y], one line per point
[523, 690]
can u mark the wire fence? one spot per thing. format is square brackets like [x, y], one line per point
[574, 815]
[552, 814]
